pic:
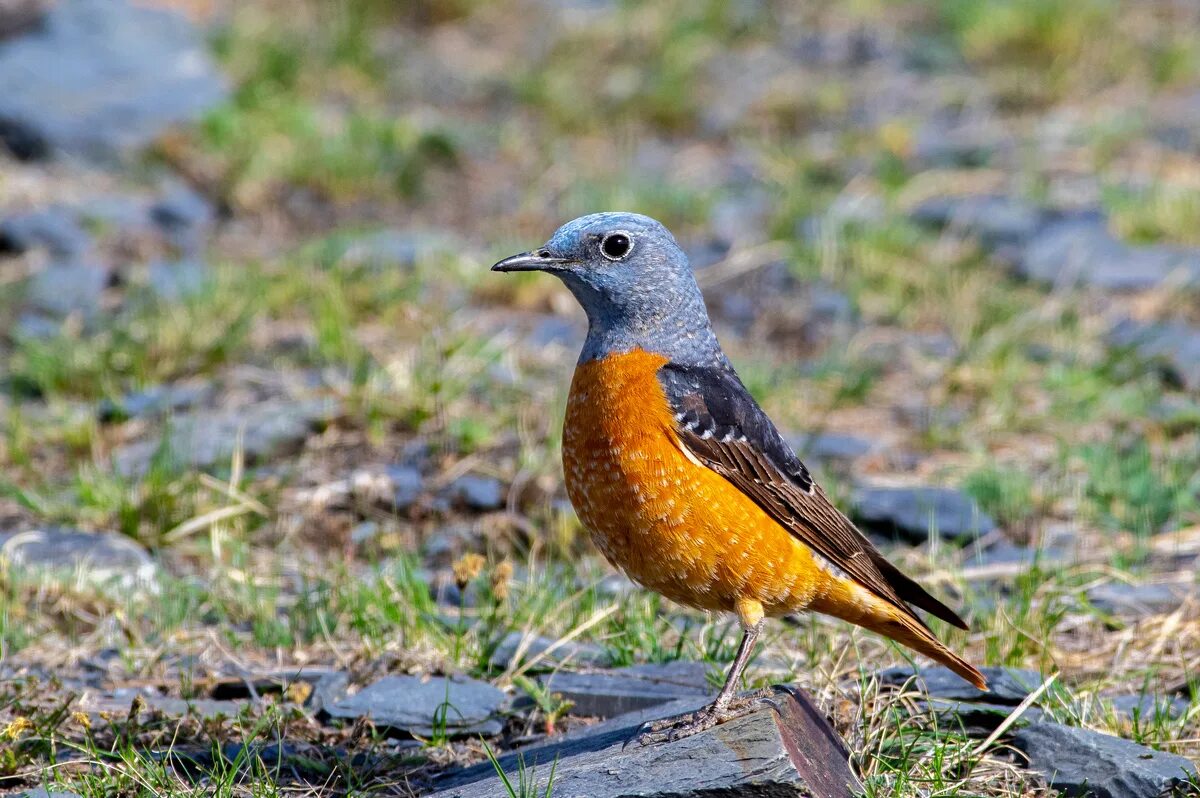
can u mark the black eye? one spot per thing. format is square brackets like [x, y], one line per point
[615, 246]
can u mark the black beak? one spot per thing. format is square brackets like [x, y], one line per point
[540, 261]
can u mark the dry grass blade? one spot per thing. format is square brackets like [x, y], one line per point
[1015, 715]
[594, 619]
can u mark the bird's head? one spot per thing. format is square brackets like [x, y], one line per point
[630, 276]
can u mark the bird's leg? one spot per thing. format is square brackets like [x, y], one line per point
[720, 710]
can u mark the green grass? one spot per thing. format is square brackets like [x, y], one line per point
[1039, 51]
[326, 139]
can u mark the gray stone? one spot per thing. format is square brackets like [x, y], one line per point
[571, 653]
[476, 492]
[1006, 686]
[328, 689]
[1079, 249]
[604, 694]
[100, 78]
[1147, 708]
[412, 704]
[173, 280]
[208, 438]
[42, 792]
[955, 143]
[792, 753]
[995, 220]
[1080, 762]
[158, 400]
[828, 305]
[978, 720]
[203, 708]
[1174, 345]
[407, 485]
[35, 326]
[54, 229]
[63, 288]
[184, 215]
[387, 249]
[916, 513]
[1120, 598]
[103, 560]
[821, 446]
[1006, 553]
[20, 15]
[119, 213]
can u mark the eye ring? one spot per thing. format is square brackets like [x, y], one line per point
[616, 245]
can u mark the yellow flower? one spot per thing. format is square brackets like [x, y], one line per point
[501, 579]
[82, 719]
[15, 728]
[466, 568]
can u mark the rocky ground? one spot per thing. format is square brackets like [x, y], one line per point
[280, 502]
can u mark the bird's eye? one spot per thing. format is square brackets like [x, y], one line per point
[616, 246]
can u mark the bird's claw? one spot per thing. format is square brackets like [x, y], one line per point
[668, 730]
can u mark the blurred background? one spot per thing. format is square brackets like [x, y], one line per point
[271, 432]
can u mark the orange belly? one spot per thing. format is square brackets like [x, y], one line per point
[669, 522]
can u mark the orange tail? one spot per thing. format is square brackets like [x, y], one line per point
[852, 603]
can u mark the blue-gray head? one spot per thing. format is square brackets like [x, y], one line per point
[634, 283]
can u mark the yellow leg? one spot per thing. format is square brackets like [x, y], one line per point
[750, 613]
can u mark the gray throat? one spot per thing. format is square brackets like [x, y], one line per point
[684, 338]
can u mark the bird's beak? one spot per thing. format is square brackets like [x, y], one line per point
[540, 261]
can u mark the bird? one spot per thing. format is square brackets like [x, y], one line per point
[682, 480]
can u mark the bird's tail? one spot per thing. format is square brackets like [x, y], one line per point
[850, 602]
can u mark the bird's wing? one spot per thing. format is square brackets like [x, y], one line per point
[719, 423]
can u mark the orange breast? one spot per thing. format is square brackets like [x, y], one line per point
[669, 522]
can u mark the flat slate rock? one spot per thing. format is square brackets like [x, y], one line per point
[475, 492]
[1006, 686]
[917, 513]
[157, 400]
[1060, 248]
[55, 229]
[1081, 762]
[1079, 249]
[997, 220]
[391, 248]
[411, 704]
[824, 446]
[19, 15]
[64, 287]
[407, 485]
[208, 438]
[1005, 553]
[570, 653]
[1119, 598]
[606, 693]
[102, 78]
[175, 280]
[1147, 708]
[795, 753]
[203, 708]
[101, 559]
[1174, 345]
[977, 719]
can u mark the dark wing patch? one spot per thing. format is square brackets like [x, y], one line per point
[724, 428]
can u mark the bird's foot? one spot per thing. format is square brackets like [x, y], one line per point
[668, 730]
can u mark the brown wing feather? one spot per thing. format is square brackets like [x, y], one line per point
[723, 427]
[814, 520]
